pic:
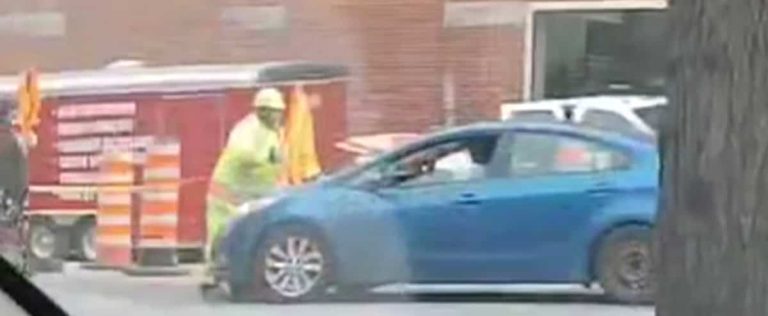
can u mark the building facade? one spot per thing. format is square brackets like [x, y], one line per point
[415, 64]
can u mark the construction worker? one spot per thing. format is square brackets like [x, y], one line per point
[13, 160]
[248, 167]
[13, 187]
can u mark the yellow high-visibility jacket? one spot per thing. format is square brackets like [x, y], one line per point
[248, 167]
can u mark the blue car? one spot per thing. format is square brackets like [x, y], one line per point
[486, 203]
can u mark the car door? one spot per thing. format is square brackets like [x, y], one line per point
[433, 206]
[553, 185]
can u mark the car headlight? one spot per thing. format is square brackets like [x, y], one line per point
[256, 205]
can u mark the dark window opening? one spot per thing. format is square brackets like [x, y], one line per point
[599, 52]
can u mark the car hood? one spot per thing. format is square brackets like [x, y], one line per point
[293, 190]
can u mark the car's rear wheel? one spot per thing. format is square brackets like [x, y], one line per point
[291, 265]
[624, 267]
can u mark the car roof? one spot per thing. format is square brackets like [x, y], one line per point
[623, 139]
[608, 102]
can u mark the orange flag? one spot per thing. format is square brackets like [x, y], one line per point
[300, 156]
[29, 103]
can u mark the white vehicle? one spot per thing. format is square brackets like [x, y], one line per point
[622, 113]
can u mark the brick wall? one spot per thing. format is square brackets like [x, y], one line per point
[401, 55]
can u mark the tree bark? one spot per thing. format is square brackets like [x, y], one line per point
[713, 226]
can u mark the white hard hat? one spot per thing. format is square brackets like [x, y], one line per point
[269, 98]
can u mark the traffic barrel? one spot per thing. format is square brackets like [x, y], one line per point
[157, 239]
[115, 203]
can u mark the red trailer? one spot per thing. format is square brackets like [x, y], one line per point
[87, 112]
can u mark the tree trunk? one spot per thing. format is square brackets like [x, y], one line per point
[713, 227]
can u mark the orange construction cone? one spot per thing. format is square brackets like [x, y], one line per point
[113, 218]
[157, 240]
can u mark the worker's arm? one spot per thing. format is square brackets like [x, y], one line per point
[224, 178]
[241, 175]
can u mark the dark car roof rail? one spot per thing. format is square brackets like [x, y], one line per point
[565, 127]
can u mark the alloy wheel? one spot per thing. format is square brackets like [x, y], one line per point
[634, 269]
[293, 266]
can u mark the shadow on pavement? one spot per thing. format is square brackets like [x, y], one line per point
[219, 296]
[537, 298]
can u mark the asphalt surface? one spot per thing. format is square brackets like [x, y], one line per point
[83, 292]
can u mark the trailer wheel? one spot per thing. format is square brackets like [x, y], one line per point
[42, 240]
[84, 239]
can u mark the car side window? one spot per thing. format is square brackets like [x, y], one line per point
[453, 161]
[536, 154]
[607, 120]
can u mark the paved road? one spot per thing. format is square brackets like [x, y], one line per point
[101, 293]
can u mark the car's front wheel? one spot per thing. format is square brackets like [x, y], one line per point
[291, 265]
[624, 268]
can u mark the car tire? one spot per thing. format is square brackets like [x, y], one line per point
[288, 275]
[624, 269]
[84, 239]
[42, 241]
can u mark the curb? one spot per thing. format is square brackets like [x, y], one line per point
[93, 266]
[46, 265]
[142, 271]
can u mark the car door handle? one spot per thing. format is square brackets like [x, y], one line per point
[468, 199]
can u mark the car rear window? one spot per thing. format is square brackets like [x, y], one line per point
[606, 120]
[651, 116]
[546, 154]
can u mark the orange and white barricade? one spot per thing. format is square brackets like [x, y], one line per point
[115, 202]
[157, 238]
